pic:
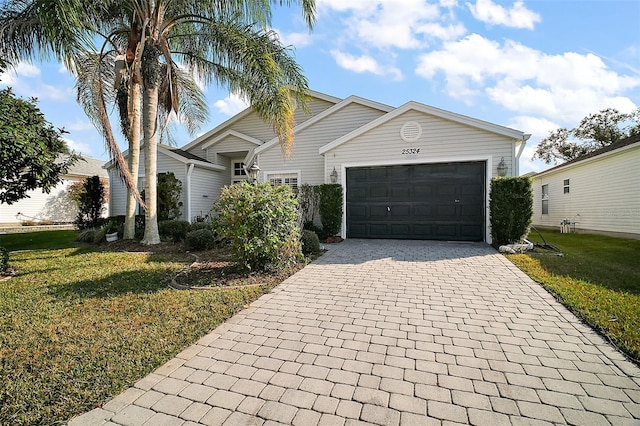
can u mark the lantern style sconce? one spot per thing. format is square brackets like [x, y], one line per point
[253, 172]
[334, 176]
[502, 168]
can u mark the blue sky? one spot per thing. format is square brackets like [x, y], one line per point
[531, 65]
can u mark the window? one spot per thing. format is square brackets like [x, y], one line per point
[545, 199]
[289, 179]
[238, 169]
[566, 186]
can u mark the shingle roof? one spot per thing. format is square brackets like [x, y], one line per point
[611, 147]
[184, 154]
[88, 166]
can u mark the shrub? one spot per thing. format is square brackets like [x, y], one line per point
[4, 260]
[510, 209]
[99, 235]
[90, 199]
[310, 242]
[310, 226]
[87, 235]
[201, 225]
[260, 220]
[169, 190]
[331, 208]
[200, 239]
[308, 200]
[174, 229]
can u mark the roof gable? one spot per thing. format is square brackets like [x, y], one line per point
[324, 114]
[631, 140]
[437, 112]
[228, 133]
[245, 113]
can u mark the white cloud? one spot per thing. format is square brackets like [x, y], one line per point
[231, 105]
[491, 13]
[407, 24]
[294, 39]
[79, 125]
[76, 146]
[22, 70]
[566, 86]
[364, 64]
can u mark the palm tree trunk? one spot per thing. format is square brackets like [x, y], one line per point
[134, 159]
[150, 128]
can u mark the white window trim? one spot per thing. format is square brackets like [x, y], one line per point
[235, 177]
[566, 187]
[266, 174]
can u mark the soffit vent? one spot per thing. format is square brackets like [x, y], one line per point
[410, 131]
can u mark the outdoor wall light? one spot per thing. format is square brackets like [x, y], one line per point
[253, 172]
[334, 176]
[502, 168]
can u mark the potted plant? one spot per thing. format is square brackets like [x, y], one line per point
[111, 229]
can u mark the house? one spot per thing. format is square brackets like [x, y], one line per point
[597, 193]
[56, 206]
[414, 172]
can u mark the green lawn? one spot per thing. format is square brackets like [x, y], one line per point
[598, 278]
[79, 325]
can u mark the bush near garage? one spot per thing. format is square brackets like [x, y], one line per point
[260, 221]
[331, 208]
[510, 209]
[310, 242]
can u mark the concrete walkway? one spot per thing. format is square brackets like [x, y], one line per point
[392, 333]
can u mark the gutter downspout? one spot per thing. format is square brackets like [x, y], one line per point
[190, 167]
[525, 138]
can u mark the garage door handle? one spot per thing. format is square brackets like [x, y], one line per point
[389, 209]
[456, 201]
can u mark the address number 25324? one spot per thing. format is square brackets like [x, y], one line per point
[406, 151]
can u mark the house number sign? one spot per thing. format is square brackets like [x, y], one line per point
[408, 151]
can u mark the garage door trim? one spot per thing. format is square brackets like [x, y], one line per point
[461, 159]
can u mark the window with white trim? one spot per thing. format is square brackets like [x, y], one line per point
[288, 179]
[566, 186]
[238, 169]
[545, 199]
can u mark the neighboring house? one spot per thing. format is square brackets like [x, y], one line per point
[414, 172]
[598, 192]
[56, 206]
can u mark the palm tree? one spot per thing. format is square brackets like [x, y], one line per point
[219, 41]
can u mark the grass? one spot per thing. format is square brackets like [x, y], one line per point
[80, 325]
[597, 278]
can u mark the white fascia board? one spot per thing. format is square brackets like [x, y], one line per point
[324, 114]
[237, 134]
[516, 135]
[562, 168]
[184, 160]
[248, 159]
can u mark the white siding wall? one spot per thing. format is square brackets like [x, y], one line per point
[229, 144]
[56, 206]
[118, 193]
[604, 194]
[305, 156]
[440, 140]
[205, 190]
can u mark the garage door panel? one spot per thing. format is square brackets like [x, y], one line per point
[424, 201]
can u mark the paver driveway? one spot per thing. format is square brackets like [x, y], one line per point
[388, 333]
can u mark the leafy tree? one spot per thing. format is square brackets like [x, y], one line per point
[33, 153]
[594, 132]
[225, 42]
[90, 203]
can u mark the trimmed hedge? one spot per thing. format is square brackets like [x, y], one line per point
[310, 242]
[200, 239]
[510, 209]
[174, 229]
[331, 208]
[4, 260]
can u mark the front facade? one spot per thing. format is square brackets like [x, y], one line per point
[596, 193]
[56, 206]
[414, 172]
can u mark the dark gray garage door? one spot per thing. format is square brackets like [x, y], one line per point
[422, 201]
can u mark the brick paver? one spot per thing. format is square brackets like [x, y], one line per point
[390, 333]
